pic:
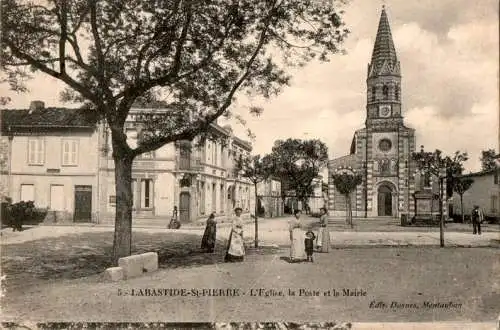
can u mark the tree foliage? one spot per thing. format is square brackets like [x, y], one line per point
[297, 163]
[346, 182]
[488, 160]
[445, 168]
[189, 56]
[462, 185]
[256, 168]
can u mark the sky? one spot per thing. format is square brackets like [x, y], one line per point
[448, 50]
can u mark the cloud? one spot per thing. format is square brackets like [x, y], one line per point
[468, 134]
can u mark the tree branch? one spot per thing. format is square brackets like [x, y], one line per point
[63, 77]
[63, 37]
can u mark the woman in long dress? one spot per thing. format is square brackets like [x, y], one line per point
[209, 236]
[297, 236]
[323, 239]
[235, 248]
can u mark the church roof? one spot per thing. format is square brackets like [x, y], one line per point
[384, 49]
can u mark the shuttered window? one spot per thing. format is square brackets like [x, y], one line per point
[69, 152]
[36, 151]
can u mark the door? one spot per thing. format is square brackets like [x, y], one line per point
[384, 201]
[83, 204]
[57, 198]
[185, 199]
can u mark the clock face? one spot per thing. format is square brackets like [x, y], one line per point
[385, 110]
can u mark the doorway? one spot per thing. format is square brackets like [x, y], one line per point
[184, 202]
[83, 204]
[384, 201]
[57, 198]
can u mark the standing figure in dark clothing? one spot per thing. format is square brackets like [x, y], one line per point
[477, 218]
[309, 243]
[208, 240]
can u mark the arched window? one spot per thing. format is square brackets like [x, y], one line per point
[396, 93]
[385, 91]
[374, 93]
[385, 167]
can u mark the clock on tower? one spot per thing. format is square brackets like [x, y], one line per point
[384, 111]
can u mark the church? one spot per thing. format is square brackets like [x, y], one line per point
[381, 151]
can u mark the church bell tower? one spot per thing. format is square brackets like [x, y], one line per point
[389, 143]
[384, 80]
[381, 151]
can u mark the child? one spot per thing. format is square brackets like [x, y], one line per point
[309, 243]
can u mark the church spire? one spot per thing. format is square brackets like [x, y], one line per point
[383, 50]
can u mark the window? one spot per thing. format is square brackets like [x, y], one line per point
[221, 198]
[374, 93]
[385, 167]
[215, 155]
[36, 151]
[214, 198]
[396, 93]
[495, 178]
[427, 180]
[27, 192]
[134, 194]
[69, 152]
[385, 91]
[202, 197]
[385, 145]
[147, 193]
[494, 204]
[185, 159]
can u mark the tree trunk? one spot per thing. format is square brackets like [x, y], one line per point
[256, 218]
[350, 212]
[441, 218]
[347, 209]
[122, 243]
[462, 207]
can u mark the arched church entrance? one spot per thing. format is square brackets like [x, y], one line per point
[384, 200]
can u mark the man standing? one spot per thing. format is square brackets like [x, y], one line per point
[477, 219]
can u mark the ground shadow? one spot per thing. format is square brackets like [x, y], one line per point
[81, 255]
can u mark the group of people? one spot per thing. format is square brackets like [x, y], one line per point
[302, 243]
[235, 250]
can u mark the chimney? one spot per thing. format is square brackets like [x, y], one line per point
[36, 105]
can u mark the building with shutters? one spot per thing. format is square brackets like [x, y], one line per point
[50, 157]
[185, 178]
[62, 159]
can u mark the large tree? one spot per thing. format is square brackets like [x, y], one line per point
[256, 169]
[445, 169]
[297, 163]
[461, 185]
[488, 160]
[194, 55]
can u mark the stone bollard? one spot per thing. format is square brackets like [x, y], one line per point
[136, 265]
[113, 274]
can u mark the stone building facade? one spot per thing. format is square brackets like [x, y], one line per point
[62, 159]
